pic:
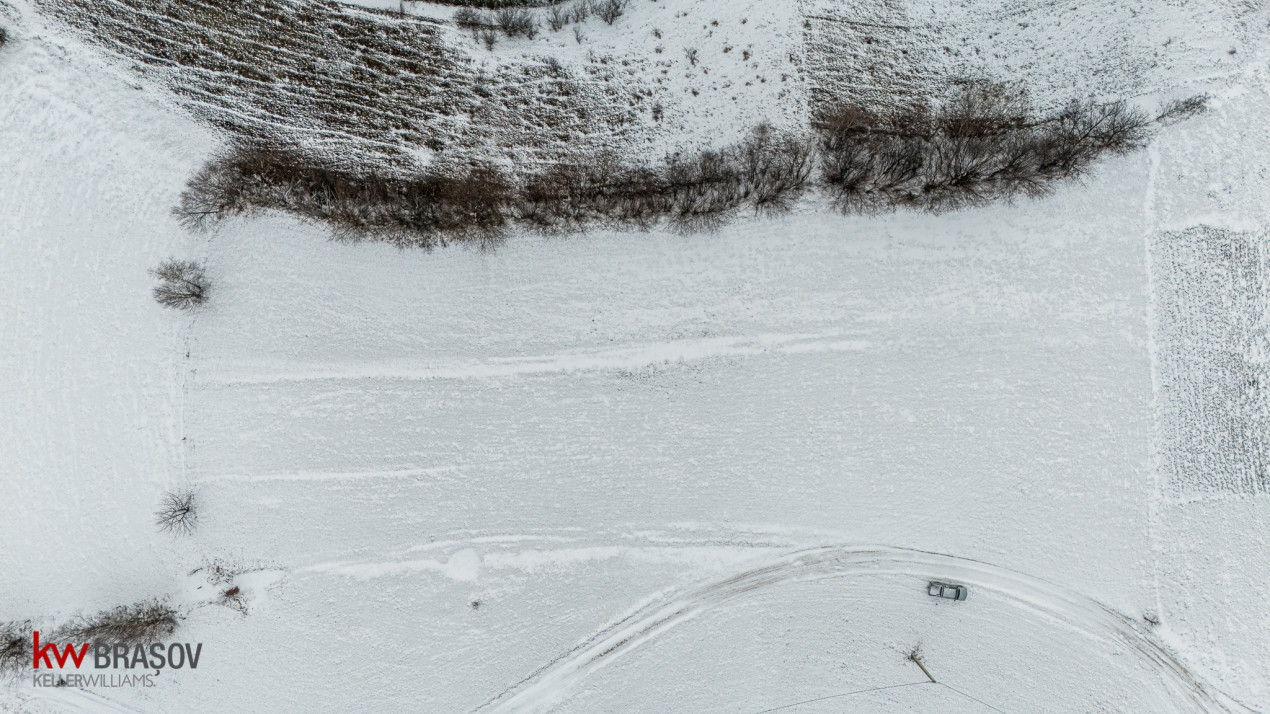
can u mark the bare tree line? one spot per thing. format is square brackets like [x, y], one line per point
[982, 146]
[140, 623]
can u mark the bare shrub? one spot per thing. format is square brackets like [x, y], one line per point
[610, 10]
[690, 53]
[490, 38]
[554, 68]
[580, 10]
[765, 172]
[141, 623]
[183, 284]
[516, 22]
[1180, 109]
[557, 18]
[979, 147]
[15, 648]
[466, 205]
[577, 34]
[469, 19]
[178, 513]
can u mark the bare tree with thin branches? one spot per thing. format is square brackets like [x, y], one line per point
[182, 284]
[178, 512]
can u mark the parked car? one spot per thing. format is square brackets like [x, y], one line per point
[946, 591]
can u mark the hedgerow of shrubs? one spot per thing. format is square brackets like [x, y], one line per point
[983, 145]
[470, 205]
[140, 623]
[511, 21]
[980, 147]
[764, 172]
[476, 205]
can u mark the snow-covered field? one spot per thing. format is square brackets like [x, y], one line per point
[656, 472]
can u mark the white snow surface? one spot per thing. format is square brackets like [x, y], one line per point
[639, 471]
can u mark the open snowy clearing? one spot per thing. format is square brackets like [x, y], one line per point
[676, 473]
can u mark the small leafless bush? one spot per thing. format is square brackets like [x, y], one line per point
[580, 10]
[490, 38]
[980, 147]
[183, 284]
[690, 53]
[178, 513]
[577, 34]
[140, 623]
[1181, 109]
[468, 19]
[15, 648]
[557, 18]
[517, 22]
[610, 10]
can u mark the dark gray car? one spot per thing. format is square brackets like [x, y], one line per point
[946, 591]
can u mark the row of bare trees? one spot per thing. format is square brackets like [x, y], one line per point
[979, 148]
[137, 624]
[984, 145]
[765, 172]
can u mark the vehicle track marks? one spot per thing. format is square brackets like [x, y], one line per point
[545, 686]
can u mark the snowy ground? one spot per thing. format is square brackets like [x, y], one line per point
[688, 473]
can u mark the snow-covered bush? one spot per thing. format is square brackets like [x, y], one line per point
[610, 10]
[182, 284]
[517, 22]
[15, 648]
[469, 19]
[557, 18]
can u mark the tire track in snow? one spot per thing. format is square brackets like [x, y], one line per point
[327, 475]
[633, 356]
[546, 686]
